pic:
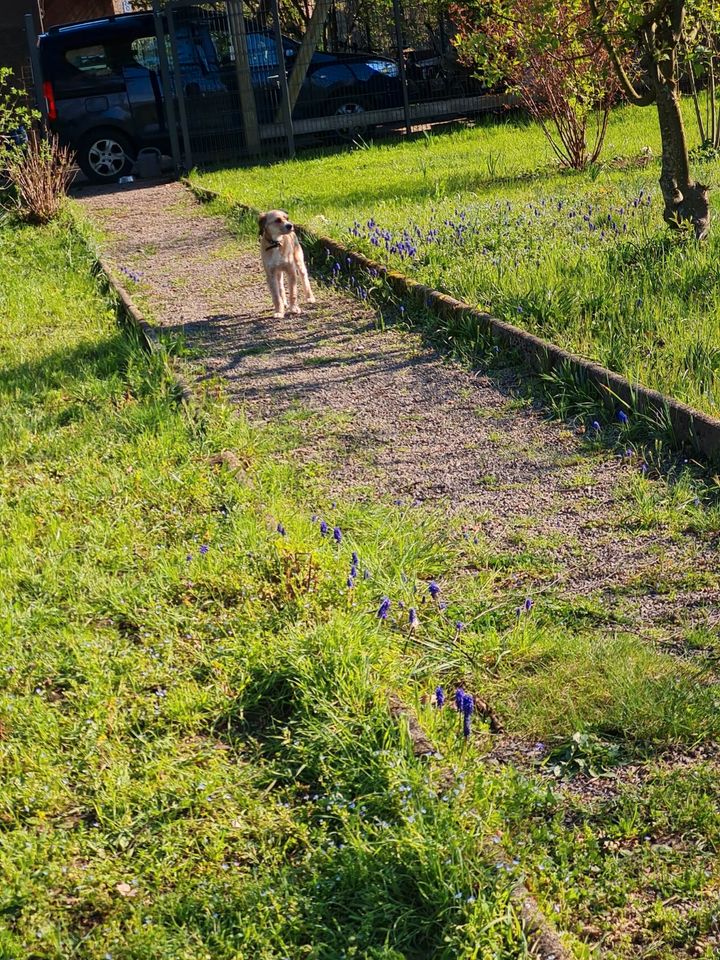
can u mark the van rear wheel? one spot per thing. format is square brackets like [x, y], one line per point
[105, 155]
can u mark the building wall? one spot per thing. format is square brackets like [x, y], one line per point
[13, 42]
[72, 11]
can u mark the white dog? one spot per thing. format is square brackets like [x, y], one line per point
[283, 259]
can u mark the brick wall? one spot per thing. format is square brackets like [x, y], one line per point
[71, 11]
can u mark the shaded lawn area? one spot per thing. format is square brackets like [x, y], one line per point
[582, 259]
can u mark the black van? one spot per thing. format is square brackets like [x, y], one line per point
[104, 96]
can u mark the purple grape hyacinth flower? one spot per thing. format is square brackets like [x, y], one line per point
[412, 617]
[459, 697]
[622, 417]
[281, 530]
[596, 426]
[204, 549]
[350, 583]
[529, 604]
[433, 590]
[323, 528]
[384, 609]
[468, 706]
[439, 697]
[355, 559]
[337, 535]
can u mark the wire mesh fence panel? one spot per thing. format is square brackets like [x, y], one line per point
[227, 79]
[254, 77]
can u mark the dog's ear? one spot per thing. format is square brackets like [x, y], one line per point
[262, 223]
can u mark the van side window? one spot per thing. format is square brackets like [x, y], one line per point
[90, 60]
[145, 52]
[89, 70]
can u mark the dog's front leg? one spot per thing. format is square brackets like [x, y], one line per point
[275, 283]
[303, 274]
[292, 291]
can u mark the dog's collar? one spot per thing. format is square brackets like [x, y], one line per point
[271, 244]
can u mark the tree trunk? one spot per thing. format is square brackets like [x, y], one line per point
[686, 201]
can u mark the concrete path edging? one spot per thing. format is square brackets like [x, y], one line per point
[147, 332]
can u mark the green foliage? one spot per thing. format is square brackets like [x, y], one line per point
[583, 753]
[14, 114]
[550, 57]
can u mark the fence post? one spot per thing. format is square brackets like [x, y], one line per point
[397, 15]
[282, 70]
[236, 17]
[35, 66]
[167, 85]
[179, 88]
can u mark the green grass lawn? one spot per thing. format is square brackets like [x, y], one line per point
[196, 751]
[582, 259]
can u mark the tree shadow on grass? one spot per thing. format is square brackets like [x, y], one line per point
[29, 383]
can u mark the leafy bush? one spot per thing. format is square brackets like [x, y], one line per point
[563, 75]
[15, 118]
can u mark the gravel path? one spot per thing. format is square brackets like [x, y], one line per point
[402, 421]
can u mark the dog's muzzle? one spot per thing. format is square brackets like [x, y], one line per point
[289, 227]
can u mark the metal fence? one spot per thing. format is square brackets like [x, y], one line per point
[253, 78]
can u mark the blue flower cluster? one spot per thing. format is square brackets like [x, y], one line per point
[133, 274]
[478, 225]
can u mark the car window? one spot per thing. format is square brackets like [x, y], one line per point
[191, 54]
[261, 50]
[364, 72]
[145, 52]
[95, 68]
[332, 76]
[90, 61]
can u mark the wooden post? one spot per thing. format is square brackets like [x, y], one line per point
[397, 16]
[236, 17]
[284, 106]
[35, 65]
[179, 87]
[168, 100]
[304, 54]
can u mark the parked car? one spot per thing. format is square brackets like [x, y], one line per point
[340, 84]
[105, 99]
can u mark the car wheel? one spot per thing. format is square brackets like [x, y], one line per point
[105, 155]
[349, 122]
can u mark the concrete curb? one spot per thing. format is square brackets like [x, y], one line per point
[690, 427]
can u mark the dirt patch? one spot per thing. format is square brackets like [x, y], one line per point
[397, 419]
